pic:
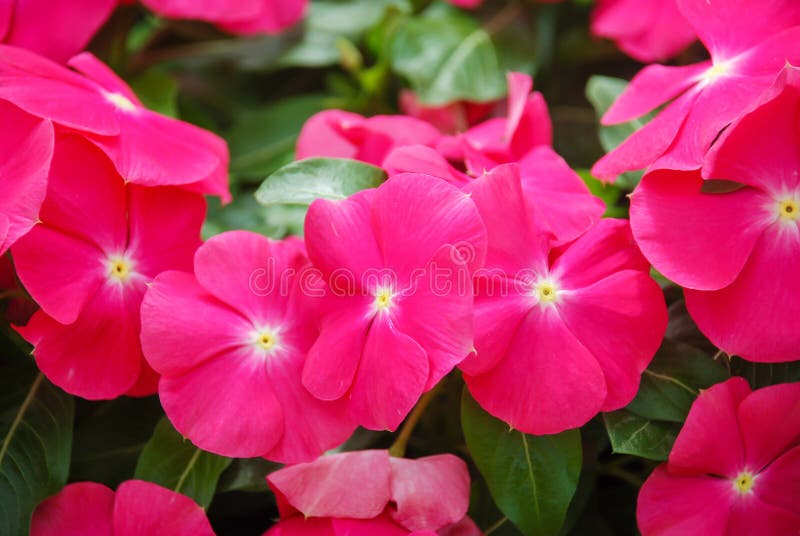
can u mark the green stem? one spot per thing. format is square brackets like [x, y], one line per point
[670, 379]
[398, 448]
[18, 417]
[496, 525]
[185, 474]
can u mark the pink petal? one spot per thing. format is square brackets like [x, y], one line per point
[710, 441]
[561, 200]
[519, 87]
[440, 215]
[301, 526]
[516, 238]
[777, 484]
[698, 240]
[273, 17]
[6, 17]
[351, 484]
[729, 28]
[248, 272]
[391, 376]
[46, 89]
[97, 356]
[621, 320]
[340, 238]
[146, 508]
[422, 159]
[57, 29]
[546, 362]
[183, 325]
[242, 419]
[164, 228]
[378, 135]
[322, 135]
[756, 329]
[208, 10]
[379, 526]
[436, 311]
[80, 509]
[87, 64]
[673, 505]
[605, 249]
[650, 88]
[26, 151]
[429, 493]
[751, 515]
[313, 426]
[332, 361]
[770, 423]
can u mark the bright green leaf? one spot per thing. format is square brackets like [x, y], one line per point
[303, 181]
[158, 91]
[632, 434]
[609, 193]
[173, 462]
[532, 478]
[36, 421]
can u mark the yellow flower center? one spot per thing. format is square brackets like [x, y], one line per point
[744, 482]
[121, 102]
[716, 71]
[383, 299]
[546, 292]
[119, 269]
[789, 209]
[266, 340]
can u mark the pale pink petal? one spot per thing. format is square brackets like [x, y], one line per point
[164, 228]
[26, 150]
[80, 509]
[752, 317]
[777, 484]
[429, 493]
[621, 320]
[392, 375]
[322, 135]
[698, 240]
[146, 508]
[350, 484]
[674, 505]
[183, 325]
[563, 383]
[770, 423]
[650, 88]
[97, 356]
[710, 441]
[331, 224]
[226, 405]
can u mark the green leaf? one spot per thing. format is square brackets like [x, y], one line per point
[36, 421]
[632, 434]
[446, 57]
[173, 462]
[303, 181]
[763, 374]
[673, 380]
[158, 91]
[602, 91]
[609, 193]
[248, 474]
[262, 139]
[531, 478]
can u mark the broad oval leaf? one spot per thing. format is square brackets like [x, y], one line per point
[175, 463]
[532, 478]
[36, 420]
[301, 182]
[633, 434]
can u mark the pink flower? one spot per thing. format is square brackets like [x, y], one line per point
[734, 468]
[100, 241]
[749, 41]
[737, 253]
[137, 508]
[397, 315]
[240, 328]
[451, 118]
[502, 140]
[26, 148]
[466, 4]
[649, 30]
[370, 493]
[57, 29]
[336, 133]
[560, 334]
[145, 147]
[243, 17]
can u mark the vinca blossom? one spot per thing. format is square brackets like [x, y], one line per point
[87, 263]
[749, 41]
[240, 328]
[146, 148]
[726, 248]
[243, 17]
[734, 468]
[57, 29]
[397, 314]
[648, 30]
[135, 509]
[370, 493]
[560, 334]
